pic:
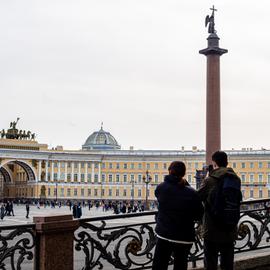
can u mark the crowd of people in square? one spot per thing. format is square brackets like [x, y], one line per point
[6, 209]
[76, 206]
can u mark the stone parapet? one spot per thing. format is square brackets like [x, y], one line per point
[55, 242]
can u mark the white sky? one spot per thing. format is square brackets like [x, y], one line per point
[66, 66]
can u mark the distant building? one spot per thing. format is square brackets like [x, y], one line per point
[102, 171]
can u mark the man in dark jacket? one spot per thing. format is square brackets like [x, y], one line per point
[75, 210]
[178, 208]
[27, 207]
[217, 239]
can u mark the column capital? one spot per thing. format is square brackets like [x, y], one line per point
[213, 46]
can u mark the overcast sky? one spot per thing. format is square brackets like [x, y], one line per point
[66, 66]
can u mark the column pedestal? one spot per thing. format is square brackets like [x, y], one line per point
[55, 236]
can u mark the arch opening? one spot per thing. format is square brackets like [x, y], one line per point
[14, 175]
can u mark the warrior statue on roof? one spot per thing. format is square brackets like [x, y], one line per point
[14, 124]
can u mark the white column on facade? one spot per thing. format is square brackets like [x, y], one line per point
[58, 172]
[39, 171]
[65, 171]
[93, 173]
[46, 171]
[72, 171]
[85, 172]
[52, 164]
[79, 172]
[99, 172]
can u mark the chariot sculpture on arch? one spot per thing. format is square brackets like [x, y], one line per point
[13, 133]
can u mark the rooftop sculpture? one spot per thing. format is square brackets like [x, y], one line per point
[15, 134]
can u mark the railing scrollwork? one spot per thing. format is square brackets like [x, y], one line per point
[17, 245]
[120, 246]
[131, 246]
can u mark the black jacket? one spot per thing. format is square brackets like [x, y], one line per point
[178, 208]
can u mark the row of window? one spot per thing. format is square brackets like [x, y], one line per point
[55, 164]
[96, 192]
[156, 166]
[24, 192]
[132, 166]
[251, 178]
[251, 193]
[250, 165]
[110, 177]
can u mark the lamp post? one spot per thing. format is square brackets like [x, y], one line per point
[146, 179]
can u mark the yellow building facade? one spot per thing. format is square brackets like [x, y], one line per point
[102, 171]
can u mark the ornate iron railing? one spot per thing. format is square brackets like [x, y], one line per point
[123, 242]
[17, 245]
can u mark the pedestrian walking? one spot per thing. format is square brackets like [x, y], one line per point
[70, 205]
[2, 212]
[221, 194]
[27, 207]
[179, 207]
[75, 210]
[79, 210]
[11, 208]
[7, 209]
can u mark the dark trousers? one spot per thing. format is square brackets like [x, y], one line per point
[164, 250]
[211, 251]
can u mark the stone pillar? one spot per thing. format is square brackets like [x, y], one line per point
[55, 242]
[213, 130]
[65, 171]
[99, 172]
[46, 171]
[93, 173]
[39, 171]
[52, 170]
[79, 172]
[72, 171]
[58, 170]
[85, 172]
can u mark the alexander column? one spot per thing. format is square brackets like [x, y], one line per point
[213, 53]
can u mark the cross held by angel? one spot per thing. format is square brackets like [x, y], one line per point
[210, 21]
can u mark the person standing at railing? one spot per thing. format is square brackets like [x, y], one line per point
[221, 194]
[179, 207]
